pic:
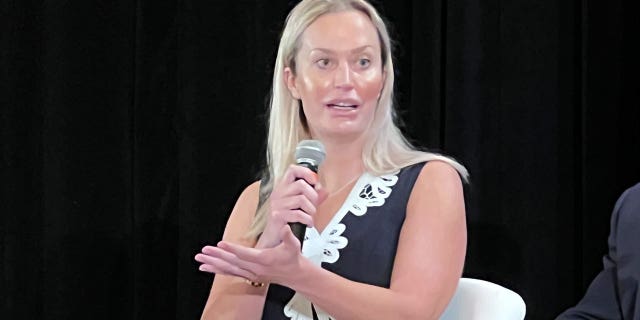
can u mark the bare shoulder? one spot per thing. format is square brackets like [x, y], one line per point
[439, 184]
[251, 193]
[242, 215]
[247, 202]
[440, 176]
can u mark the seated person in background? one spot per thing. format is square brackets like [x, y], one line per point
[615, 292]
[386, 236]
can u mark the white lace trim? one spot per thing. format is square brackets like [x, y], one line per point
[369, 191]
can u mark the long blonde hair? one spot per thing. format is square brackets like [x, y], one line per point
[386, 149]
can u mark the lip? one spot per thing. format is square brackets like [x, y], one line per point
[333, 103]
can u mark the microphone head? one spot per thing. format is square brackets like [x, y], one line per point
[310, 152]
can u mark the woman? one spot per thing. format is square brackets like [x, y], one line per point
[387, 230]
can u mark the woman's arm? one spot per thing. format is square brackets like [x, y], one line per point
[231, 297]
[426, 270]
[428, 262]
[293, 199]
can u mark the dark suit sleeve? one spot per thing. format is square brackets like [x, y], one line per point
[628, 254]
[615, 292]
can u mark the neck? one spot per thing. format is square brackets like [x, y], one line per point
[342, 166]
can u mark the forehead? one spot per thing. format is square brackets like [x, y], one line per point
[340, 31]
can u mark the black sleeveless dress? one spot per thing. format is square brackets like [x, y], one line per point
[359, 243]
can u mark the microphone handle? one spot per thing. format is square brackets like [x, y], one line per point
[298, 228]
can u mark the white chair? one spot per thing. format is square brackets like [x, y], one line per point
[482, 300]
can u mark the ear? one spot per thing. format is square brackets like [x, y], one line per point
[290, 82]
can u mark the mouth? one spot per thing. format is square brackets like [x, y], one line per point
[341, 106]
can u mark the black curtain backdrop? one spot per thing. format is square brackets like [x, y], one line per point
[129, 128]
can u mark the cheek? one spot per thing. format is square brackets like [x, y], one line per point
[311, 87]
[371, 86]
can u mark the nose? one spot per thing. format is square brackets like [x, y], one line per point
[343, 78]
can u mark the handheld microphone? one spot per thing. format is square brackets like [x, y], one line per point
[309, 154]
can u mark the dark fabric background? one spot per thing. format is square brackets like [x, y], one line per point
[129, 128]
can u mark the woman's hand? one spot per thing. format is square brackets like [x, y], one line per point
[277, 264]
[276, 256]
[293, 199]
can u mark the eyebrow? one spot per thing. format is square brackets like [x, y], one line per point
[356, 50]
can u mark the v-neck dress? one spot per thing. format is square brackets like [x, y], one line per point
[359, 243]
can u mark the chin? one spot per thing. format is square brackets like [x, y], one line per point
[343, 133]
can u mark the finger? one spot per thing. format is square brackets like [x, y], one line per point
[300, 202]
[252, 255]
[233, 259]
[295, 172]
[300, 216]
[212, 260]
[309, 191]
[208, 268]
[290, 216]
[298, 187]
[289, 239]
[202, 258]
[223, 264]
[220, 266]
[207, 249]
[227, 270]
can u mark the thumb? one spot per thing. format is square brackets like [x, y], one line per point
[288, 239]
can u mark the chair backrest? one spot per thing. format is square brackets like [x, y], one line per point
[482, 300]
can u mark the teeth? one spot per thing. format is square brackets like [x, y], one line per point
[343, 105]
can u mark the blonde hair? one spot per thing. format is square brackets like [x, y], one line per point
[386, 149]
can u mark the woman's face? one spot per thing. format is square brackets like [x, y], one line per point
[338, 75]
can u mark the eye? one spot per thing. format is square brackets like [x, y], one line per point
[323, 63]
[364, 62]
